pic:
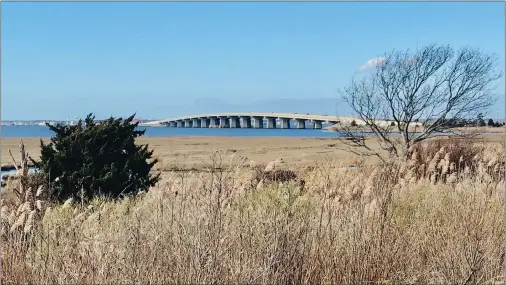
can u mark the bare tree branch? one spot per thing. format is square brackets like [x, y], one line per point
[433, 85]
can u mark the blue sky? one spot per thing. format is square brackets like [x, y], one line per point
[166, 59]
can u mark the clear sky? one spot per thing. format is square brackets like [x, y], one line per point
[62, 60]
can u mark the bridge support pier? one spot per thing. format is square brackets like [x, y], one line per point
[317, 124]
[204, 122]
[224, 122]
[245, 122]
[234, 122]
[271, 122]
[258, 122]
[214, 122]
[285, 123]
[251, 120]
[301, 123]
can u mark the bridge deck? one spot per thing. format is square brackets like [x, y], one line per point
[291, 116]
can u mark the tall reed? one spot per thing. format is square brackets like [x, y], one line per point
[348, 225]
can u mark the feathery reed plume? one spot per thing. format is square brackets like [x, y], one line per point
[68, 203]
[369, 186]
[452, 178]
[31, 203]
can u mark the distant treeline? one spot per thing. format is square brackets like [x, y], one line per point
[478, 122]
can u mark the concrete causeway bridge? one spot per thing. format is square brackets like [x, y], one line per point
[253, 120]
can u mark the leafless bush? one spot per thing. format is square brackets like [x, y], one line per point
[267, 177]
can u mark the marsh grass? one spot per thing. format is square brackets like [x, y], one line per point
[348, 225]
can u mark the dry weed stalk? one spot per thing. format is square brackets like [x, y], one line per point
[195, 228]
[446, 161]
[22, 217]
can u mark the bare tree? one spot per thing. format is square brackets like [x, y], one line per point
[409, 97]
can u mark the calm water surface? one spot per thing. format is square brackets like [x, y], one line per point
[44, 132]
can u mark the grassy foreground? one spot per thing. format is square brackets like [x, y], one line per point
[363, 224]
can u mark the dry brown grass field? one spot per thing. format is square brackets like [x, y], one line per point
[437, 218]
[189, 152]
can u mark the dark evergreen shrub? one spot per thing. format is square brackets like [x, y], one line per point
[90, 159]
[480, 121]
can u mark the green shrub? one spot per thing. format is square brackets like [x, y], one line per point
[90, 159]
